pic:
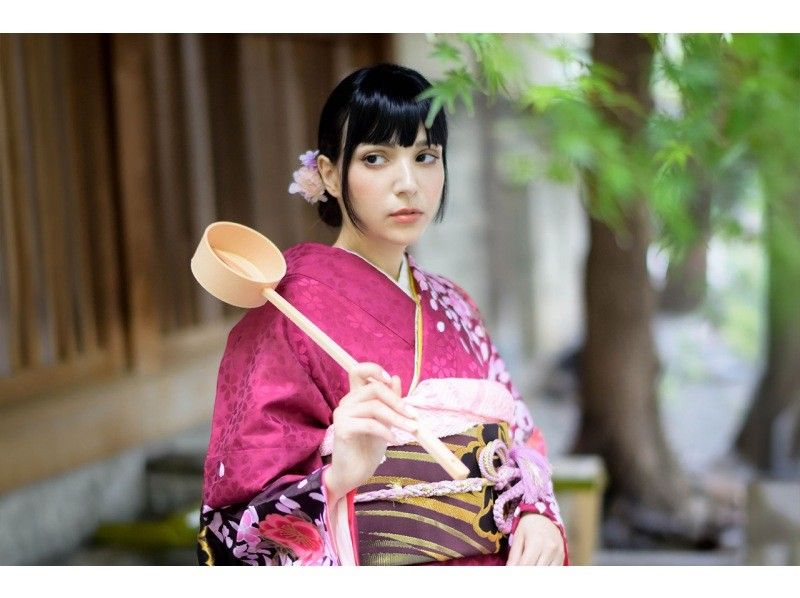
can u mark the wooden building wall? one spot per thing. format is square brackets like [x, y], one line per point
[115, 152]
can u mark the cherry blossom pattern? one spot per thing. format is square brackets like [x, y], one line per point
[456, 305]
[448, 301]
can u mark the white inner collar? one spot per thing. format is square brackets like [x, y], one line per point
[402, 282]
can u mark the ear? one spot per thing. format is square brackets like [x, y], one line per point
[330, 176]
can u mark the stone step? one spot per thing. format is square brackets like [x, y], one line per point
[121, 556]
[173, 481]
[669, 557]
[164, 531]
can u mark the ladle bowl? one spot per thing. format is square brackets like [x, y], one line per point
[234, 263]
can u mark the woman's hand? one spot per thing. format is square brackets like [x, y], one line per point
[537, 541]
[362, 427]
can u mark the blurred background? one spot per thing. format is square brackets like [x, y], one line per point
[624, 209]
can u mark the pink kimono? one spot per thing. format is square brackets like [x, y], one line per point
[271, 436]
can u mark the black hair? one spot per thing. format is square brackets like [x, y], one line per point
[376, 104]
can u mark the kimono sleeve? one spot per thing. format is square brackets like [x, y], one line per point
[525, 432]
[264, 501]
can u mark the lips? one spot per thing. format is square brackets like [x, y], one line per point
[406, 211]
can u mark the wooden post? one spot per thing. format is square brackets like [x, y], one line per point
[131, 68]
[579, 482]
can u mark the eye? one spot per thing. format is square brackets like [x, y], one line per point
[371, 162]
[433, 156]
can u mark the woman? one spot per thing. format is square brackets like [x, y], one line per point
[310, 465]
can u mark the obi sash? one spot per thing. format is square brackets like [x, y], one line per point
[411, 512]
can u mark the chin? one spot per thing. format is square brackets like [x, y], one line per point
[407, 237]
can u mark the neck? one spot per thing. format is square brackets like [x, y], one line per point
[385, 256]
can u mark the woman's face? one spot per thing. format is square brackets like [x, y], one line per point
[386, 178]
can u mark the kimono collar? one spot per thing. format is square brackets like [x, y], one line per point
[402, 281]
[358, 280]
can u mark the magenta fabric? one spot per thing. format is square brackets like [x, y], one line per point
[277, 390]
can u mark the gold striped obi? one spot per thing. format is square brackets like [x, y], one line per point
[409, 512]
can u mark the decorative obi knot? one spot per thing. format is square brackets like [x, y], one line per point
[522, 463]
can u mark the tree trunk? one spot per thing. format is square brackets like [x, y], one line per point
[769, 439]
[620, 418]
[685, 287]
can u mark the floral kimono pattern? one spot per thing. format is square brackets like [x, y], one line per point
[264, 502]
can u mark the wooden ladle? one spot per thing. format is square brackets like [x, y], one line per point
[242, 267]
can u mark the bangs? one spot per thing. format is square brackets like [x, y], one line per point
[379, 119]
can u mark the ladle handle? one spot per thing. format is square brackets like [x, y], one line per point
[342, 357]
[435, 447]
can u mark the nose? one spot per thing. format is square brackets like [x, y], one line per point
[406, 181]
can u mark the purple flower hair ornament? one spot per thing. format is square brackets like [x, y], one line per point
[307, 180]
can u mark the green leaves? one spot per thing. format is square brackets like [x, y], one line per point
[445, 51]
[733, 104]
[458, 85]
[674, 154]
[489, 67]
[500, 68]
[542, 97]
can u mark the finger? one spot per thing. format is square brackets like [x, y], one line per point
[391, 395]
[361, 392]
[377, 409]
[363, 425]
[529, 553]
[515, 550]
[408, 410]
[361, 373]
[396, 386]
[551, 554]
[374, 390]
[543, 558]
[554, 557]
[529, 544]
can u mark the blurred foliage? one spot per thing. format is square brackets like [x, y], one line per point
[735, 305]
[726, 115]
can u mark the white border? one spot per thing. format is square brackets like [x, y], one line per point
[397, 16]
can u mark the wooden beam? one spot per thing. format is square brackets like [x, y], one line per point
[52, 435]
